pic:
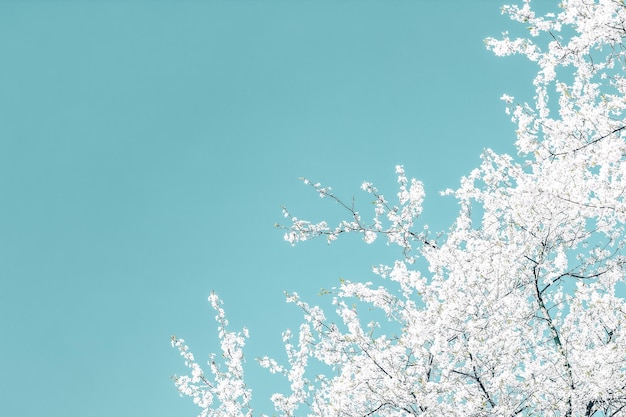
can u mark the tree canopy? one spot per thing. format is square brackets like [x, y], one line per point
[515, 310]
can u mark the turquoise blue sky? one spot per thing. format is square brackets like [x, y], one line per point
[146, 148]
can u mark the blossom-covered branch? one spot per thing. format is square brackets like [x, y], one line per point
[399, 218]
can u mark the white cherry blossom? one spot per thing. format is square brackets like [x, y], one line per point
[516, 309]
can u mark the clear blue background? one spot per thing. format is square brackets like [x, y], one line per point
[146, 148]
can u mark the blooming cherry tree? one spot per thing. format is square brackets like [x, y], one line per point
[515, 310]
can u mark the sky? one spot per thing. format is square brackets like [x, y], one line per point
[146, 149]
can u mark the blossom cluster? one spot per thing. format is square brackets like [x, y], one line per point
[516, 310]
